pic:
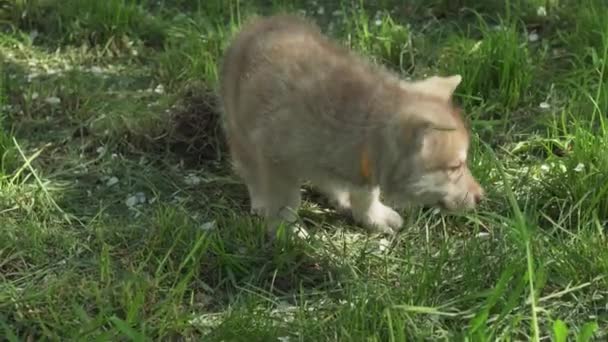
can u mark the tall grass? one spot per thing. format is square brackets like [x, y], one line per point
[159, 244]
[496, 67]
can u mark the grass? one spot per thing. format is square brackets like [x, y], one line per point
[121, 219]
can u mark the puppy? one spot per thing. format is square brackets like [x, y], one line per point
[300, 107]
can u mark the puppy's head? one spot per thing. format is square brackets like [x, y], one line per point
[431, 164]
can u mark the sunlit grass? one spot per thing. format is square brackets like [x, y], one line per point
[121, 218]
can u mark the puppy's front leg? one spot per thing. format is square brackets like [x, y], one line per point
[373, 214]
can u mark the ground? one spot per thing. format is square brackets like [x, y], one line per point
[122, 220]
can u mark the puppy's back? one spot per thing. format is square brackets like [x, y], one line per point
[247, 50]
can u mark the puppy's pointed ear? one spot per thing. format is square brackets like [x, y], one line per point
[434, 123]
[419, 128]
[440, 86]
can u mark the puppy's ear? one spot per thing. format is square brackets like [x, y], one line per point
[439, 86]
[419, 129]
[433, 122]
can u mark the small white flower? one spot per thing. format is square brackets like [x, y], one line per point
[96, 70]
[383, 244]
[31, 76]
[580, 167]
[141, 197]
[378, 22]
[207, 226]
[33, 34]
[533, 37]
[101, 150]
[541, 11]
[192, 179]
[112, 181]
[34, 95]
[544, 105]
[545, 167]
[131, 201]
[136, 199]
[301, 232]
[52, 100]
[159, 89]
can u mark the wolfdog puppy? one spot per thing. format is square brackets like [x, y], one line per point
[300, 107]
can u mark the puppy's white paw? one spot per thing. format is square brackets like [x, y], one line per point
[340, 201]
[380, 218]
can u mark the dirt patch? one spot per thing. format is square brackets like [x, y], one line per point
[194, 130]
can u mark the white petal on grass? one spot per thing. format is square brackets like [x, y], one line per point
[112, 181]
[141, 197]
[533, 37]
[383, 244]
[136, 199]
[544, 105]
[131, 201]
[33, 34]
[580, 167]
[96, 70]
[301, 232]
[541, 11]
[378, 22]
[545, 167]
[483, 235]
[31, 76]
[52, 100]
[160, 89]
[207, 226]
[192, 180]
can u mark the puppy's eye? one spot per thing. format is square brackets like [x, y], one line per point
[455, 168]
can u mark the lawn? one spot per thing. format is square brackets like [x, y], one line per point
[121, 219]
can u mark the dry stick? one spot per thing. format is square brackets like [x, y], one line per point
[28, 165]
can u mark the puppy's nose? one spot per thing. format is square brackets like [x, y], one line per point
[477, 194]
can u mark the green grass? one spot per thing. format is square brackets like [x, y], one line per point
[121, 220]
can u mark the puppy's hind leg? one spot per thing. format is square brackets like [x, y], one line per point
[246, 166]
